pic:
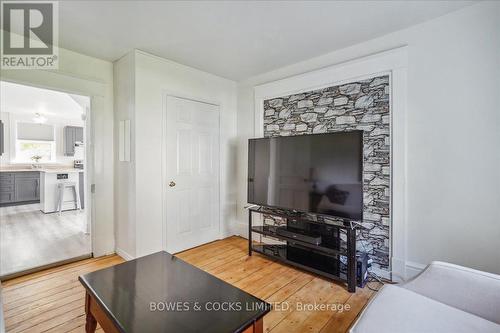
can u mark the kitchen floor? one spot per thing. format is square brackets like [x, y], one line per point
[30, 238]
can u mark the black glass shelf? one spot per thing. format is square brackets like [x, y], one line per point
[318, 219]
[270, 231]
[327, 266]
[333, 256]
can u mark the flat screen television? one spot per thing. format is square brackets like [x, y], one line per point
[318, 173]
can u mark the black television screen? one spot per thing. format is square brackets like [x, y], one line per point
[319, 173]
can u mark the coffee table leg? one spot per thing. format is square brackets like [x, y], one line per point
[258, 326]
[91, 322]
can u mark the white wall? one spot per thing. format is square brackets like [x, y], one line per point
[124, 94]
[452, 128]
[84, 75]
[153, 77]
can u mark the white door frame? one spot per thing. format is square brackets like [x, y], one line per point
[393, 62]
[89, 154]
[103, 238]
[165, 180]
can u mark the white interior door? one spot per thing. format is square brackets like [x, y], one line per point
[192, 160]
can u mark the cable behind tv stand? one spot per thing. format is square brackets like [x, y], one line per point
[323, 247]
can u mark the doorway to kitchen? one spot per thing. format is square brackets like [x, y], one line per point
[44, 208]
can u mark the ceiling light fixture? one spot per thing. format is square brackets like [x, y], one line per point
[39, 119]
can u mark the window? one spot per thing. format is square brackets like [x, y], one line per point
[29, 151]
[35, 143]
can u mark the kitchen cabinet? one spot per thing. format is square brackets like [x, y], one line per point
[19, 187]
[81, 185]
[72, 134]
[6, 197]
[2, 138]
[7, 194]
[27, 186]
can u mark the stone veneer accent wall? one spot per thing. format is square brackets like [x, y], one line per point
[361, 105]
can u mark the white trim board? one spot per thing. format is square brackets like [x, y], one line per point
[413, 269]
[100, 233]
[124, 254]
[393, 62]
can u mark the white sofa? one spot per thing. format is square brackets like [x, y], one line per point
[443, 298]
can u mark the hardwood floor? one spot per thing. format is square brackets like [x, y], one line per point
[30, 238]
[52, 300]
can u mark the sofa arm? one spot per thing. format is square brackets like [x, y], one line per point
[463, 288]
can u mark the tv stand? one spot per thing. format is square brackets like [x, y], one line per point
[334, 257]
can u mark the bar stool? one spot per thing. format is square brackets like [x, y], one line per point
[62, 187]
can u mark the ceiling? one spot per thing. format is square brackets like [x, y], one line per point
[235, 39]
[21, 99]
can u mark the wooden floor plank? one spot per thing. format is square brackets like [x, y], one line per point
[237, 270]
[232, 256]
[75, 325]
[35, 304]
[316, 319]
[25, 280]
[18, 281]
[47, 317]
[218, 254]
[43, 309]
[60, 274]
[200, 251]
[32, 298]
[341, 321]
[9, 295]
[52, 300]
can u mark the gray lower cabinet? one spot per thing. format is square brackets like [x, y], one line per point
[7, 187]
[6, 197]
[72, 134]
[27, 187]
[2, 139]
[19, 187]
[81, 186]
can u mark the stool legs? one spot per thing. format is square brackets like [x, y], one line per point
[78, 203]
[76, 192]
[61, 197]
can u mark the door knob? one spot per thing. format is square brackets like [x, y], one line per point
[171, 184]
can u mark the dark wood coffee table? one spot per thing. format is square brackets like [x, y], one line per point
[162, 293]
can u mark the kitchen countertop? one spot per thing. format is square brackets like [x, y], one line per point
[61, 170]
[46, 170]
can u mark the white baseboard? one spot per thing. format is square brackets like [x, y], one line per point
[124, 254]
[381, 273]
[398, 270]
[404, 270]
[413, 269]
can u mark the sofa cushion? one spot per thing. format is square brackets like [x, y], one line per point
[395, 309]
